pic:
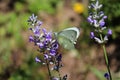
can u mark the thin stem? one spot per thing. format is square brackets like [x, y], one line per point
[106, 58]
[58, 70]
[59, 75]
[48, 70]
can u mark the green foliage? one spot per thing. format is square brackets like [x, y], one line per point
[48, 6]
[112, 10]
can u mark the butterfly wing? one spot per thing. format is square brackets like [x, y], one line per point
[67, 37]
[70, 33]
[65, 43]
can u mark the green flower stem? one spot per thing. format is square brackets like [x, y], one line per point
[48, 69]
[106, 58]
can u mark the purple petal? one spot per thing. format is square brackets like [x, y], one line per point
[45, 56]
[37, 59]
[44, 31]
[52, 52]
[95, 23]
[31, 39]
[92, 35]
[89, 19]
[55, 45]
[37, 31]
[48, 36]
[41, 45]
[39, 23]
[102, 23]
[104, 17]
[109, 32]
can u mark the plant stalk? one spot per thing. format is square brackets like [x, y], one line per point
[50, 76]
[106, 58]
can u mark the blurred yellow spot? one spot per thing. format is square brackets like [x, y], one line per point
[78, 8]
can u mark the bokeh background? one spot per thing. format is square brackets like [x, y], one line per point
[86, 62]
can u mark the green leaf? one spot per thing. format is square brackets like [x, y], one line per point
[99, 74]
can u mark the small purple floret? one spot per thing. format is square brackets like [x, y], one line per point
[109, 32]
[55, 45]
[37, 59]
[39, 23]
[106, 75]
[41, 45]
[89, 19]
[52, 52]
[102, 23]
[46, 56]
[92, 35]
[31, 39]
[105, 17]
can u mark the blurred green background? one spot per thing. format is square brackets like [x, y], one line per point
[87, 62]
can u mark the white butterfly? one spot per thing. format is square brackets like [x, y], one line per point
[68, 37]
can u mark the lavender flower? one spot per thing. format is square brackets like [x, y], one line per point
[47, 45]
[97, 20]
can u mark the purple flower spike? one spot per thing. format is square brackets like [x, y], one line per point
[31, 39]
[92, 35]
[37, 59]
[109, 32]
